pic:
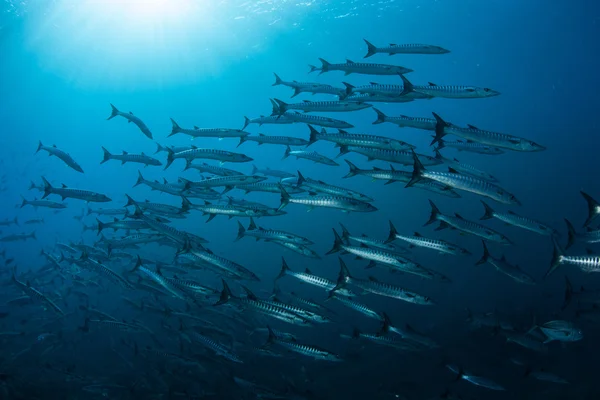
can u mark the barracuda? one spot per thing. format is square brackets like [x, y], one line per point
[319, 186]
[308, 277]
[206, 132]
[268, 139]
[464, 168]
[468, 146]
[513, 219]
[132, 158]
[461, 182]
[374, 286]
[470, 227]
[310, 87]
[396, 156]
[351, 67]
[212, 154]
[130, 118]
[306, 350]
[355, 305]
[502, 265]
[270, 234]
[427, 243]
[156, 277]
[343, 138]
[586, 263]
[62, 155]
[449, 92]
[161, 187]
[309, 155]
[404, 49]
[222, 263]
[346, 204]
[321, 106]
[35, 294]
[65, 192]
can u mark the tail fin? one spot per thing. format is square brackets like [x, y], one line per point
[440, 124]
[343, 277]
[170, 158]
[254, 169]
[101, 226]
[301, 179]
[242, 140]
[418, 170]
[353, 170]
[393, 233]
[371, 49]
[140, 179]
[107, 155]
[287, 153]
[313, 135]
[284, 269]
[47, 188]
[246, 122]
[593, 207]
[438, 155]
[313, 68]
[489, 212]
[24, 202]
[274, 108]
[281, 107]
[387, 323]
[407, 86]
[324, 66]
[345, 232]
[337, 243]
[175, 128]
[130, 201]
[40, 145]
[252, 225]
[185, 205]
[138, 264]
[159, 148]
[435, 213]
[278, 80]
[285, 197]
[349, 88]
[556, 258]
[114, 112]
[568, 293]
[380, 117]
[225, 294]
[241, 231]
[486, 255]
[572, 234]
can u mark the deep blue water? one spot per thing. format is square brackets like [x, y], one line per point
[61, 66]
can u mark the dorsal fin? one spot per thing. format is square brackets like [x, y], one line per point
[195, 127]
[472, 126]
[348, 61]
[306, 101]
[130, 113]
[308, 271]
[452, 170]
[417, 234]
[373, 83]
[431, 84]
[342, 132]
[64, 186]
[393, 44]
[457, 215]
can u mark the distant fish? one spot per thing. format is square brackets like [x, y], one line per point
[449, 92]
[65, 192]
[404, 49]
[213, 154]
[272, 172]
[310, 87]
[321, 106]
[351, 67]
[309, 155]
[16, 237]
[404, 121]
[268, 139]
[502, 265]
[206, 132]
[132, 158]
[35, 203]
[513, 219]
[65, 157]
[131, 118]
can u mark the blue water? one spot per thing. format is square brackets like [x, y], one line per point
[61, 66]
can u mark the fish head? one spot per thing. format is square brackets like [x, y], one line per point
[487, 92]
[528, 145]
[438, 50]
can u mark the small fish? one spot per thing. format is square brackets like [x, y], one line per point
[351, 67]
[65, 157]
[131, 118]
[306, 350]
[513, 219]
[475, 380]
[502, 265]
[404, 49]
[309, 155]
[562, 331]
[65, 192]
[310, 87]
[131, 158]
[449, 92]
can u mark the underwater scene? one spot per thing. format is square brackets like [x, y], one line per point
[299, 199]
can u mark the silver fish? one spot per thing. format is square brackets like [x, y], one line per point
[131, 118]
[65, 157]
[404, 49]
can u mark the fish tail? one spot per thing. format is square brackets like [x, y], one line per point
[407, 86]
[418, 170]
[130, 201]
[252, 225]
[486, 255]
[138, 264]
[312, 68]
[343, 150]
[159, 148]
[337, 243]
[371, 49]
[435, 213]
[393, 233]
[114, 112]
[440, 124]
[40, 145]
[107, 155]
[101, 226]
[593, 206]
[278, 80]
[140, 179]
[324, 66]
[380, 117]
[556, 258]
[281, 107]
[47, 188]
[313, 135]
[24, 202]
[246, 122]
[170, 158]
[185, 205]
[285, 197]
[284, 269]
[572, 234]
[286, 154]
[353, 170]
[489, 212]
[242, 140]
[175, 128]
[387, 322]
[301, 179]
[349, 89]
[225, 294]
[345, 232]
[241, 231]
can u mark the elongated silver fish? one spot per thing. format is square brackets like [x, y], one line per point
[513, 219]
[206, 132]
[270, 234]
[355, 305]
[321, 106]
[317, 120]
[404, 49]
[272, 172]
[463, 168]
[427, 243]
[211, 169]
[343, 138]
[308, 277]
[374, 286]
[467, 183]
[64, 156]
[132, 158]
[593, 208]
[131, 118]
[215, 346]
[562, 331]
[408, 333]
[589, 236]
[303, 349]
[310, 87]
[587, 263]
[404, 121]
[469, 146]
[158, 208]
[449, 92]
[42, 203]
[157, 277]
[309, 155]
[369, 241]
[474, 379]
[219, 262]
[65, 192]
[268, 139]
[319, 186]
[351, 67]
[495, 139]
[222, 156]
[298, 248]
[35, 294]
[286, 118]
[346, 204]
[458, 222]
[502, 265]
[396, 156]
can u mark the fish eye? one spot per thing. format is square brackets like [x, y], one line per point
[486, 89]
[470, 90]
